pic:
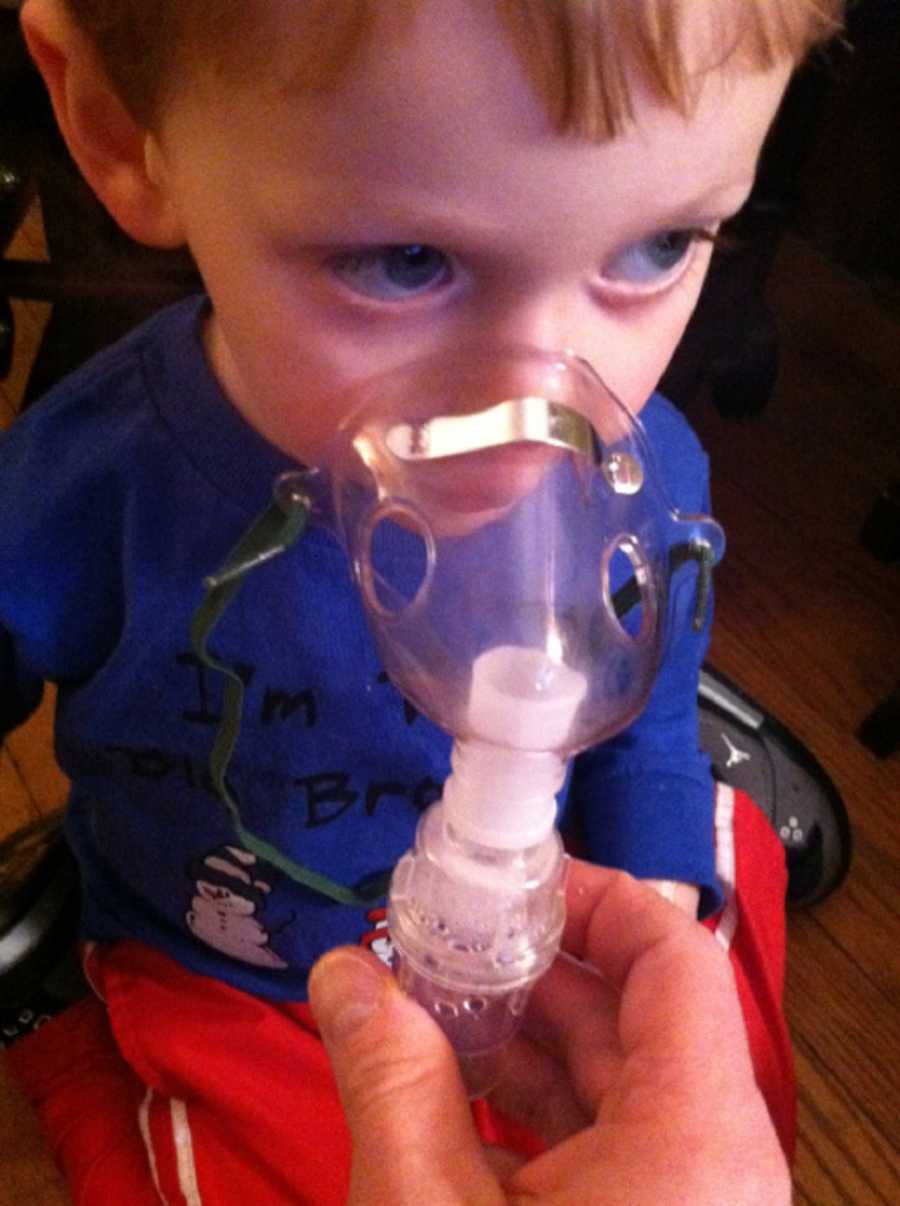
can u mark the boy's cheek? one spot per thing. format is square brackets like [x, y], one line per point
[632, 354]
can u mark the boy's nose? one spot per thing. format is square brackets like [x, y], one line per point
[549, 323]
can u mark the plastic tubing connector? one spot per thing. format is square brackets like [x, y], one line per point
[476, 908]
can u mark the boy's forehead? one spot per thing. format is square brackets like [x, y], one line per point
[418, 110]
[577, 53]
[440, 121]
[314, 45]
[450, 53]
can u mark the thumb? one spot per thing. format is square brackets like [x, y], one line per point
[400, 1087]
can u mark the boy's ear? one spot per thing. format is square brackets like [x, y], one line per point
[117, 157]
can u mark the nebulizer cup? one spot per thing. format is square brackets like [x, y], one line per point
[512, 543]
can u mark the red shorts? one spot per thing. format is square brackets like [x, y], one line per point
[177, 1088]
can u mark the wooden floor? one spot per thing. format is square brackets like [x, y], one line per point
[809, 624]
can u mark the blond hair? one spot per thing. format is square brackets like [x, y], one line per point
[579, 53]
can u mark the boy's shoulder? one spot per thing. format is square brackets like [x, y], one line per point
[669, 428]
[142, 421]
[680, 457]
[70, 461]
[65, 466]
[111, 388]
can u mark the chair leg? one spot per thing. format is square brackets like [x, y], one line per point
[880, 731]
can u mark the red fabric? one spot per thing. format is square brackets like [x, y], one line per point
[218, 1098]
[245, 1083]
[87, 1099]
[757, 953]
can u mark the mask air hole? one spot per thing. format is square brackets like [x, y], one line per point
[624, 581]
[396, 560]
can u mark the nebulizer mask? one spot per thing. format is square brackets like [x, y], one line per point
[513, 547]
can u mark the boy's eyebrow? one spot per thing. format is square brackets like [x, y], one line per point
[365, 219]
[719, 201]
[374, 221]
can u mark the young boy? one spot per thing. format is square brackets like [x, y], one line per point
[360, 185]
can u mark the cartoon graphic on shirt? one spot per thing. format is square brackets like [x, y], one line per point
[225, 906]
[378, 940]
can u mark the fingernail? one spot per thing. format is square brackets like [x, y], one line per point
[345, 990]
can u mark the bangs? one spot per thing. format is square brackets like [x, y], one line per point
[583, 54]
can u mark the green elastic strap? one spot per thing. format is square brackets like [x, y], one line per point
[276, 530]
[629, 595]
[701, 551]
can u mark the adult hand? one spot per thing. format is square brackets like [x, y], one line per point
[633, 1066]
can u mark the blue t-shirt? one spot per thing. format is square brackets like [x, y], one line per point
[119, 492]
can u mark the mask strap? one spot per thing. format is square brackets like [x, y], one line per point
[703, 553]
[699, 551]
[274, 532]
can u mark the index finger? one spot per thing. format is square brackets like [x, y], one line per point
[677, 987]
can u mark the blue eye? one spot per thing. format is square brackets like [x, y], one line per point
[393, 273]
[652, 259]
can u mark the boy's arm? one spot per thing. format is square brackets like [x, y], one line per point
[644, 800]
[59, 594]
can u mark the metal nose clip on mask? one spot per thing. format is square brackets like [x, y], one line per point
[514, 549]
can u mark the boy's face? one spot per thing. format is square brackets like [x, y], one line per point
[426, 202]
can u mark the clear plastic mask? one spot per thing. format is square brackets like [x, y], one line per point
[513, 544]
[506, 500]
[514, 549]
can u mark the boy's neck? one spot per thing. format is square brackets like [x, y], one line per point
[224, 370]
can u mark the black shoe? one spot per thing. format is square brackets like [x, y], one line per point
[39, 905]
[751, 750]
